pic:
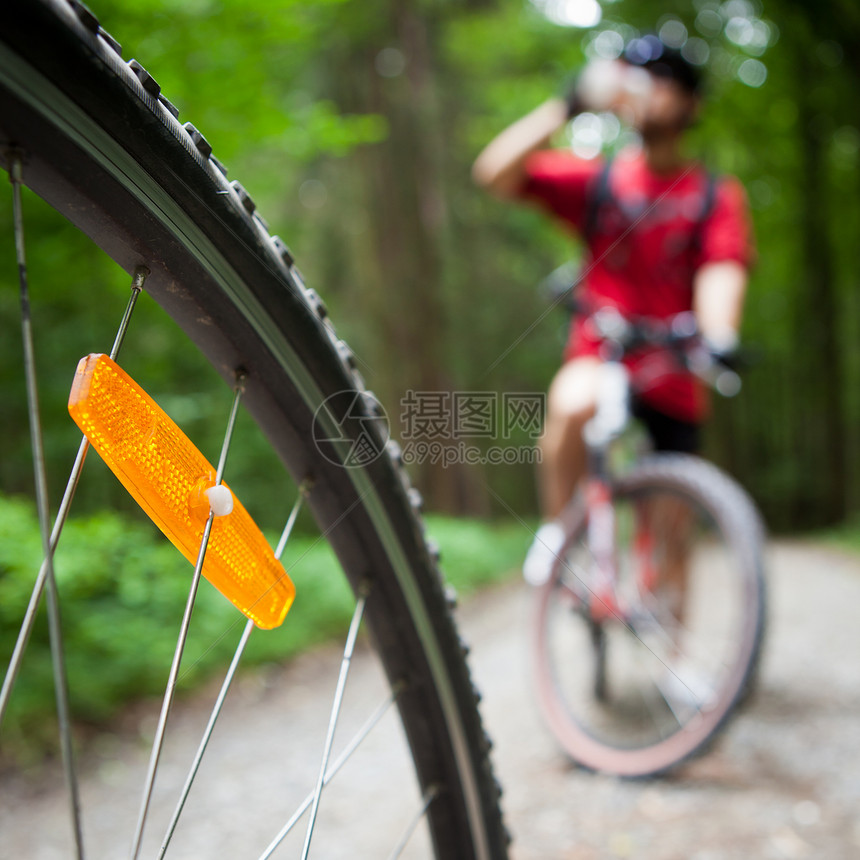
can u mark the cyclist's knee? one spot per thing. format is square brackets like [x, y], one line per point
[573, 393]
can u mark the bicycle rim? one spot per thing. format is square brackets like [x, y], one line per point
[102, 146]
[679, 648]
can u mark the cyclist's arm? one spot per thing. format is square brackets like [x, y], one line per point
[727, 252]
[603, 85]
[718, 299]
[501, 167]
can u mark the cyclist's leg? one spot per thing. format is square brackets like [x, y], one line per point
[668, 520]
[570, 403]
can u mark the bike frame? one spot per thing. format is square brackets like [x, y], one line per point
[612, 417]
[609, 422]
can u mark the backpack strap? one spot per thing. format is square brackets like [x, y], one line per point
[601, 193]
[708, 202]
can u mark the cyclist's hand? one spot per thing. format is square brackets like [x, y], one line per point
[719, 366]
[609, 85]
[596, 88]
[724, 351]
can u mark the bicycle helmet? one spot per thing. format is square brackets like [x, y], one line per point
[652, 53]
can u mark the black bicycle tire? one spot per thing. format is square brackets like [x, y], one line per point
[102, 146]
[742, 527]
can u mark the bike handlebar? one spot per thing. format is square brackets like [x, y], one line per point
[678, 334]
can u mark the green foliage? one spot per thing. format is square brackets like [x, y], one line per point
[844, 536]
[123, 588]
[478, 553]
[354, 126]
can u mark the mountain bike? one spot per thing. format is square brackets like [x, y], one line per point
[648, 631]
[92, 134]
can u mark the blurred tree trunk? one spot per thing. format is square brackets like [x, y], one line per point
[404, 196]
[817, 335]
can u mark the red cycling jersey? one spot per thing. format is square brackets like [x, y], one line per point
[646, 239]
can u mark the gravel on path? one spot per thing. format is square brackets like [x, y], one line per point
[782, 783]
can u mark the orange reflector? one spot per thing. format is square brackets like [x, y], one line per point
[169, 478]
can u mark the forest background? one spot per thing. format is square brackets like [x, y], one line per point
[354, 124]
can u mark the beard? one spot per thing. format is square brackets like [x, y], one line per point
[658, 131]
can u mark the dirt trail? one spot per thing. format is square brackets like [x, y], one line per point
[784, 782]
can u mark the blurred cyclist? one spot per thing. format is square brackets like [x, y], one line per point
[663, 236]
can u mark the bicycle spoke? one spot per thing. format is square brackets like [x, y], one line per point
[650, 706]
[54, 625]
[348, 651]
[138, 279]
[675, 707]
[198, 758]
[428, 798]
[158, 742]
[225, 687]
[304, 487]
[344, 757]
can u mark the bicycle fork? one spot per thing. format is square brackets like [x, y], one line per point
[603, 603]
[608, 422]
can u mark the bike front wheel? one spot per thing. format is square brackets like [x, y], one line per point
[94, 137]
[680, 637]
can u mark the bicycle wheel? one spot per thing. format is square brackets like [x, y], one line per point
[680, 648]
[103, 147]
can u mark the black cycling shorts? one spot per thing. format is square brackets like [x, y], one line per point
[668, 433]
